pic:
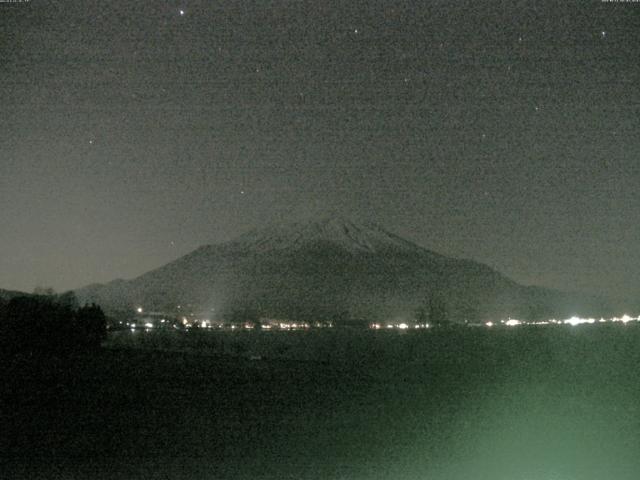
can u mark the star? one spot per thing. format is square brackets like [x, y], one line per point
[603, 34]
[90, 142]
[182, 13]
[355, 31]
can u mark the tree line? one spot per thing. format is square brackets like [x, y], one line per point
[49, 324]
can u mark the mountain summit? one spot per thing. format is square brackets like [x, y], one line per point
[333, 267]
[335, 230]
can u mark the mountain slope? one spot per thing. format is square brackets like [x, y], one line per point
[333, 268]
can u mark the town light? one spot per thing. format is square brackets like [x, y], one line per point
[573, 321]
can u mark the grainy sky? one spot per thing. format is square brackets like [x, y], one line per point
[505, 131]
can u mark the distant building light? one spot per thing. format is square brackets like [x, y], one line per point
[573, 321]
[512, 322]
[148, 325]
[489, 324]
[139, 310]
[403, 326]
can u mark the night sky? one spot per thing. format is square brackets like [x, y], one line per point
[507, 132]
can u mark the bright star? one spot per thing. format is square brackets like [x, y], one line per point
[181, 13]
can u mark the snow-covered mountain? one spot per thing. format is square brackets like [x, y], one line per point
[332, 267]
[334, 230]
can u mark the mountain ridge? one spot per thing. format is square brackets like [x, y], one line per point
[333, 267]
[351, 235]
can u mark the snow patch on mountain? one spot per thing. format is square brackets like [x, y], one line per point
[341, 232]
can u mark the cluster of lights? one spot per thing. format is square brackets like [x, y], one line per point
[573, 321]
[245, 326]
[191, 321]
[398, 326]
[293, 326]
[511, 322]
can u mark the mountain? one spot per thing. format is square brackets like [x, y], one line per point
[333, 268]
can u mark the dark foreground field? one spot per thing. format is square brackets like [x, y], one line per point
[518, 404]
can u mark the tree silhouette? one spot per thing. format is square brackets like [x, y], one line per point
[422, 315]
[38, 326]
[68, 299]
[91, 325]
[438, 312]
[44, 291]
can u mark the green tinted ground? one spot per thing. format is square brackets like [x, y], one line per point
[548, 404]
